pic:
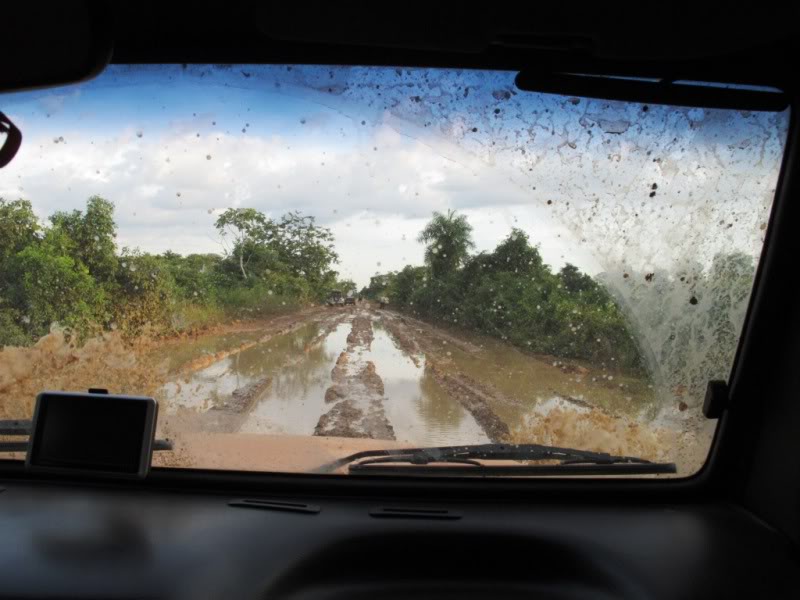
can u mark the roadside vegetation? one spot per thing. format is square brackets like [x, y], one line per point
[70, 272]
[678, 328]
[511, 294]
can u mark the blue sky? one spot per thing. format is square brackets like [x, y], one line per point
[372, 152]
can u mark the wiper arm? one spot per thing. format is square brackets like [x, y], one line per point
[466, 461]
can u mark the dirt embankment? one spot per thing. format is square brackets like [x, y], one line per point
[55, 363]
[356, 392]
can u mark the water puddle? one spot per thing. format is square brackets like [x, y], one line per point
[278, 358]
[296, 398]
[419, 410]
[298, 366]
[279, 386]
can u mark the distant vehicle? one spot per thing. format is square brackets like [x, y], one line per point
[383, 301]
[350, 298]
[335, 298]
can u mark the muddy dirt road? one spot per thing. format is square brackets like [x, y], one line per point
[360, 372]
[339, 373]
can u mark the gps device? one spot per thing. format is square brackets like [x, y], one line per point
[93, 434]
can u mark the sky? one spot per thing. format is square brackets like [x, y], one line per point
[371, 153]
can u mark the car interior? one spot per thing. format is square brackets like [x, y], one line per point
[84, 513]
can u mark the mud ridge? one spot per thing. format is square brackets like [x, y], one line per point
[244, 398]
[356, 393]
[361, 334]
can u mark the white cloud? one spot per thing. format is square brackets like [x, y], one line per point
[376, 186]
[168, 189]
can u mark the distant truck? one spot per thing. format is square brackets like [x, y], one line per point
[383, 301]
[335, 298]
[350, 298]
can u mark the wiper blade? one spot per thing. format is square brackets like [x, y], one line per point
[466, 461]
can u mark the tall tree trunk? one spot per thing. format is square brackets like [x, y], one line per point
[241, 264]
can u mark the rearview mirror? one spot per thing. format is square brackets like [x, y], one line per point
[10, 142]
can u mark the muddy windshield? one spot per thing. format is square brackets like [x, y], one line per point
[302, 263]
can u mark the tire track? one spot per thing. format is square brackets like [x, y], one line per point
[474, 397]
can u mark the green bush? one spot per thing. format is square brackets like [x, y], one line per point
[51, 289]
[11, 331]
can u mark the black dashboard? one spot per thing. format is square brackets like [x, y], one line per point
[91, 542]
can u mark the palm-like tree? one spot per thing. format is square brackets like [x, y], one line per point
[448, 238]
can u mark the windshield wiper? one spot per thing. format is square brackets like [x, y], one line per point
[469, 461]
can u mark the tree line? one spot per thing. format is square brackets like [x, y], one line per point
[679, 327]
[510, 293]
[70, 271]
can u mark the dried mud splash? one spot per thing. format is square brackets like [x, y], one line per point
[56, 363]
[357, 393]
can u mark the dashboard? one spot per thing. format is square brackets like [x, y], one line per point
[68, 541]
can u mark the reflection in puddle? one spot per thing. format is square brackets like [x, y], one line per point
[419, 410]
[297, 396]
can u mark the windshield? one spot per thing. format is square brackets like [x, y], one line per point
[301, 263]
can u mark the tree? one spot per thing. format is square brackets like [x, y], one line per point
[406, 283]
[516, 255]
[293, 245]
[53, 288]
[378, 285]
[574, 281]
[90, 237]
[303, 247]
[247, 227]
[19, 227]
[448, 240]
[195, 275]
[347, 285]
